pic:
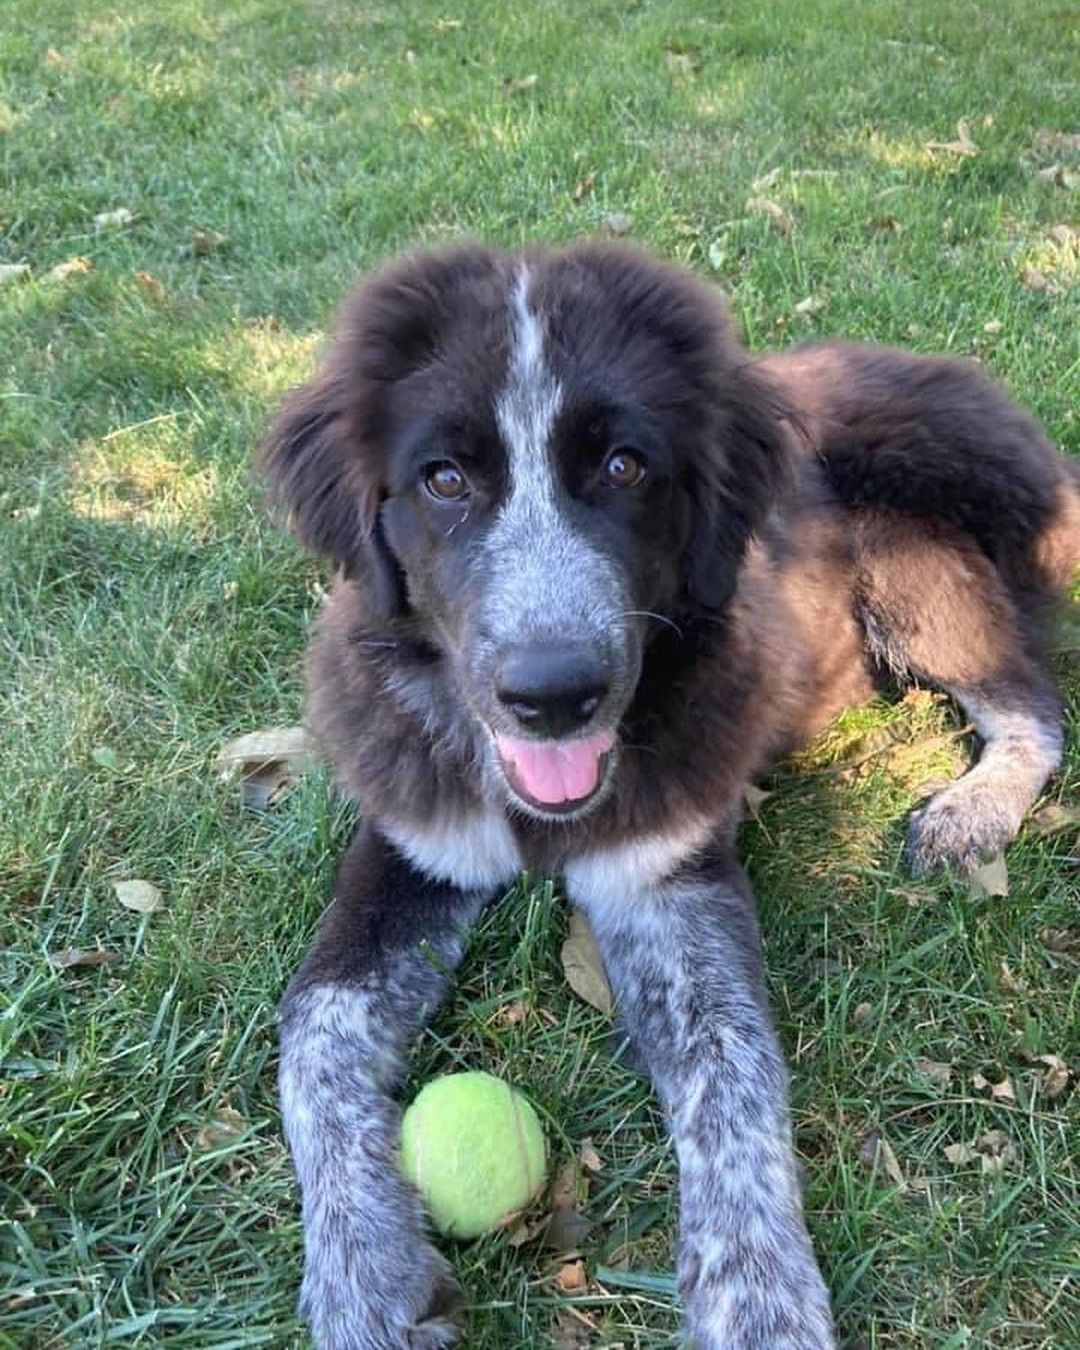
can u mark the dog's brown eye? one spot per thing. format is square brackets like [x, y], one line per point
[446, 482]
[623, 469]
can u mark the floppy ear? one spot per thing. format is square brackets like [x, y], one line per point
[318, 475]
[744, 472]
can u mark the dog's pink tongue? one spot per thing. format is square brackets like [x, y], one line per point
[554, 772]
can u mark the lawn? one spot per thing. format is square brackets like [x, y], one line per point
[191, 188]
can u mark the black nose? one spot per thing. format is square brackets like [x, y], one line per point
[552, 691]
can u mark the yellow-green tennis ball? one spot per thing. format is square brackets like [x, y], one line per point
[474, 1149]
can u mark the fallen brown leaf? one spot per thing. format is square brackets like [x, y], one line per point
[205, 242]
[1054, 818]
[223, 1127]
[1010, 981]
[615, 222]
[142, 896]
[589, 1158]
[509, 1015]
[72, 268]
[75, 956]
[583, 967]
[1057, 141]
[13, 272]
[149, 284]
[564, 1189]
[1059, 175]
[813, 304]
[991, 879]
[571, 1278]
[584, 186]
[939, 1073]
[962, 145]
[269, 762]
[565, 1230]
[1055, 1079]
[993, 327]
[876, 1151]
[113, 220]
[776, 213]
[958, 1154]
[522, 85]
[1035, 280]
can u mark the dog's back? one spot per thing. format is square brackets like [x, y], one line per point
[932, 439]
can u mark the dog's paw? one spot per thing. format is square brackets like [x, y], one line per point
[959, 828]
[373, 1298]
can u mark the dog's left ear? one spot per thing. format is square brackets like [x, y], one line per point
[744, 472]
[313, 463]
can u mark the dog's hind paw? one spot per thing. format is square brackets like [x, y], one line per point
[960, 828]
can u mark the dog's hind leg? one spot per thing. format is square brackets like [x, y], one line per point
[935, 609]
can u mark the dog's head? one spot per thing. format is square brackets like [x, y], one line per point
[539, 459]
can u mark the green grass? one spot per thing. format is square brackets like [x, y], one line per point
[149, 610]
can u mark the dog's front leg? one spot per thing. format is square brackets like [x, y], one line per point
[372, 1281]
[683, 956]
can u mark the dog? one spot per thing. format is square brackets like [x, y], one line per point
[597, 567]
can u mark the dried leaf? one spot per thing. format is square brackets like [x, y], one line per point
[225, 1125]
[509, 1015]
[583, 967]
[979, 1083]
[149, 284]
[886, 223]
[958, 1154]
[996, 1151]
[939, 1073]
[141, 896]
[55, 59]
[565, 1231]
[584, 186]
[1055, 1079]
[1035, 280]
[776, 213]
[991, 879]
[13, 272]
[755, 798]
[1066, 238]
[876, 1151]
[1003, 1091]
[615, 222]
[113, 220]
[519, 86]
[1057, 141]
[963, 145]
[682, 62]
[72, 268]
[589, 1158]
[1053, 818]
[1010, 982]
[564, 1189]
[861, 1013]
[993, 327]
[571, 1279]
[813, 304]
[205, 242]
[766, 181]
[1059, 175]
[270, 762]
[75, 956]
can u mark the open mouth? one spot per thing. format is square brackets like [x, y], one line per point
[557, 777]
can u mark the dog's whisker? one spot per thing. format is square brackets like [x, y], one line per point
[652, 614]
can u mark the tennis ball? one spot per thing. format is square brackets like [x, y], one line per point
[474, 1149]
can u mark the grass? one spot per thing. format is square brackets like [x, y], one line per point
[268, 151]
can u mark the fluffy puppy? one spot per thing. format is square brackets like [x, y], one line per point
[597, 566]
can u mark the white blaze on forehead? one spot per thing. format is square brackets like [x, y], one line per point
[527, 408]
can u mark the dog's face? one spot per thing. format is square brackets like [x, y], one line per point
[539, 460]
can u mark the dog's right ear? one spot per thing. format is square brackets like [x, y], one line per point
[317, 474]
